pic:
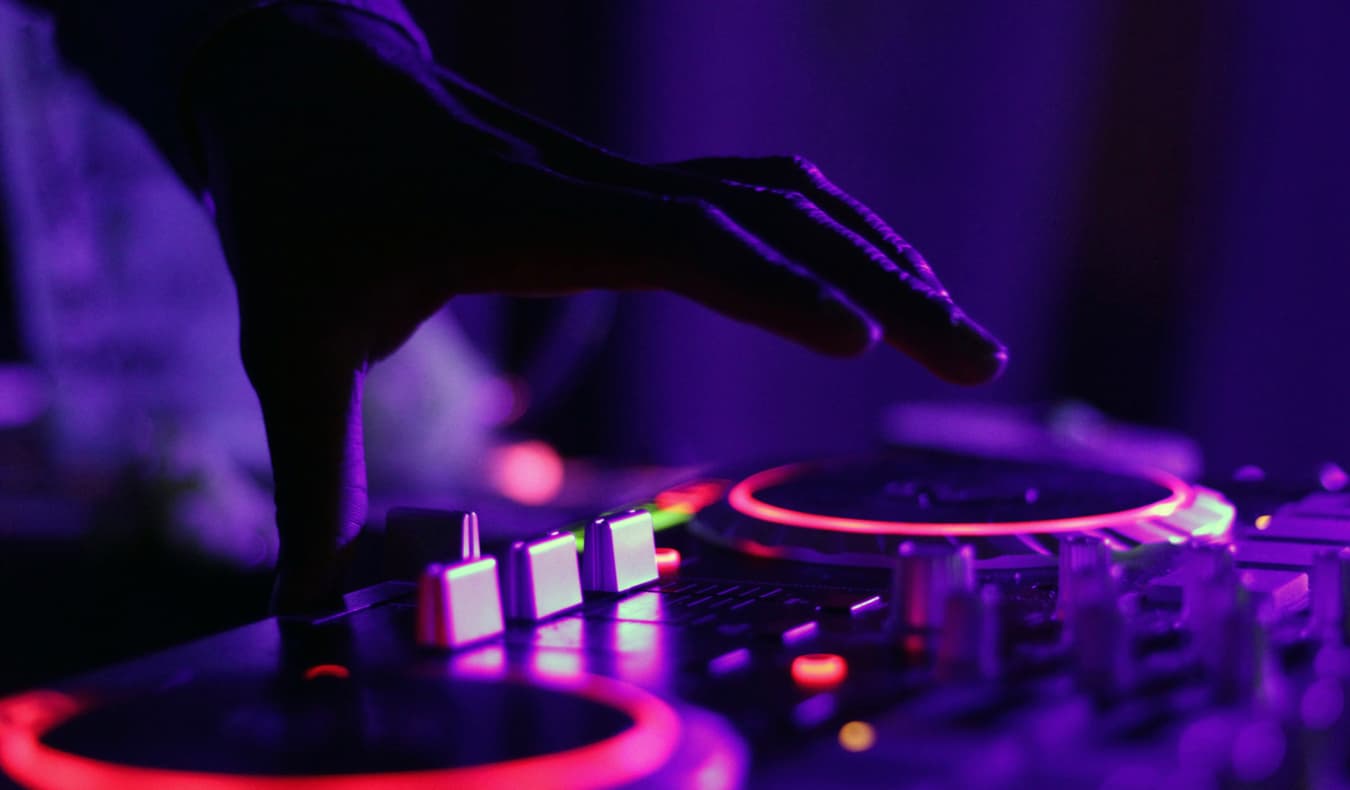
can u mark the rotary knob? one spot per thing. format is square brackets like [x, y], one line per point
[1098, 632]
[970, 645]
[1080, 556]
[924, 577]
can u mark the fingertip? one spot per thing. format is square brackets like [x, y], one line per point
[851, 333]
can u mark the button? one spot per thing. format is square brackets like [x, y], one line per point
[458, 604]
[620, 552]
[730, 662]
[416, 537]
[667, 561]
[819, 671]
[849, 603]
[542, 578]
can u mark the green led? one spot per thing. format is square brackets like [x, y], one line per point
[661, 519]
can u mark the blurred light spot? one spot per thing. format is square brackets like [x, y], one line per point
[1032, 495]
[327, 671]
[691, 497]
[1249, 473]
[1258, 750]
[667, 561]
[1263, 521]
[857, 736]
[529, 472]
[817, 671]
[1332, 477]
[23, 395]
[1322, 704]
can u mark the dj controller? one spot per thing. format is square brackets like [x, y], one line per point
[911, 618]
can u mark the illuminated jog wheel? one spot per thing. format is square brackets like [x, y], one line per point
[858, 511]
[353, 733]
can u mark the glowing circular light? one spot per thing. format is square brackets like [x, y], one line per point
[327, 671]
[1332, 477]
[629, 756]
[1262, 521]
[529, 472]
[667, 561]
[857, 736]
[819, 671]
[743, 497]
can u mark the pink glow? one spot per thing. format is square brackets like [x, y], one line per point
[629, 756]
[529, 472]
[743, 498]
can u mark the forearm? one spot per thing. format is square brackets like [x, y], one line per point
[139, 53]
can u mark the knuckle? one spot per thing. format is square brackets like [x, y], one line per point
[803, 170]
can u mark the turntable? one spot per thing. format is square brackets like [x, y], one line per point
[912, 618]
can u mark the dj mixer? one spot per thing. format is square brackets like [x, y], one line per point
[912, 618]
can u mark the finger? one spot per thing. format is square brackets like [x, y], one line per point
[311, 406]
[566, 235]
[796, 174]
[916, 317]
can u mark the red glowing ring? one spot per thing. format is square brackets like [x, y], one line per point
[743, 499]
[628, 756]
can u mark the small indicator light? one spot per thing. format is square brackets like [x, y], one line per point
[818, 671]
[667, 561]
[327, 671]
[857, 736]
[1263, 522]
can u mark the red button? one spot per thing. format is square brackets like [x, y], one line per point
[819, 671]
[667, 561]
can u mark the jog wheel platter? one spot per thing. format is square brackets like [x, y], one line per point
[1012, 513]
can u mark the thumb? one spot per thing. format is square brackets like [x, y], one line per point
[311, 406]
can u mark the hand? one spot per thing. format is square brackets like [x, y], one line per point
[358, 188]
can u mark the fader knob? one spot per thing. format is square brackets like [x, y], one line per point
[924, 577]
[458, 603]
[542, 577]
[415, 537]
[620, 552]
